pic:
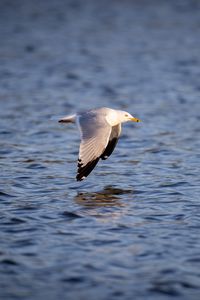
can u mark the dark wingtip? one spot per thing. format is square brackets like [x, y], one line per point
[109, 149]
[83, 172]
[79, 178]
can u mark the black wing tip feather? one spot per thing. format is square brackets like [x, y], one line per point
[86, 170]
[83, 172]
[109, 149]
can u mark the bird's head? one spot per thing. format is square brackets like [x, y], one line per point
[126, 117]
[115, 117]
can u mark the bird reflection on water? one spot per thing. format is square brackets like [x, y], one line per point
[108, 197]
[107, 202]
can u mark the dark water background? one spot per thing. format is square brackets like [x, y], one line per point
[132, 229]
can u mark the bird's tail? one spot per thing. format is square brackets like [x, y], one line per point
[67, 119]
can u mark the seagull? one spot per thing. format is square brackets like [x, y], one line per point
[100, 130]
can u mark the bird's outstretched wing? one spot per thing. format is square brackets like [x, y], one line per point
[95, 134]
[113, 139]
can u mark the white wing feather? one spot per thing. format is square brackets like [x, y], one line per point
[95, 133]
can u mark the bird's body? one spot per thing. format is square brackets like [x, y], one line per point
[100, 129]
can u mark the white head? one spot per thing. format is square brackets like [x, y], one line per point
[125, 117]
[116, 117]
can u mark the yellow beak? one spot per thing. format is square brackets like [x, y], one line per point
[135, 120]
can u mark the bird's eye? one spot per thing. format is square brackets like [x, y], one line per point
[126, 115]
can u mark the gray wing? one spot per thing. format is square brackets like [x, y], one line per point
[95, 133]
[113, 139]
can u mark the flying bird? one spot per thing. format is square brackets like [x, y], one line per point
[100, 130]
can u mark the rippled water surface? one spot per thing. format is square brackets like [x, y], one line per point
[131, 230]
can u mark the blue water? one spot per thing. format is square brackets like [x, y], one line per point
[131, 230]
